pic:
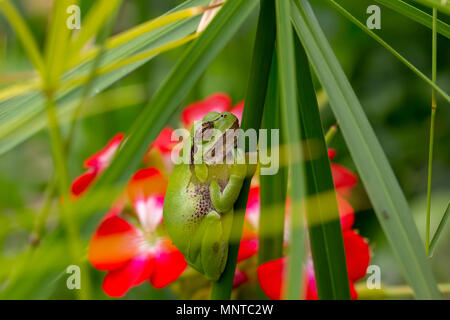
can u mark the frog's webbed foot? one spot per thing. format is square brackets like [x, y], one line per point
[214, 248]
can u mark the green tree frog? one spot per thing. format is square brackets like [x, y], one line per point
[198, 205]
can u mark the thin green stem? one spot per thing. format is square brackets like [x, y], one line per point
[62, 177]
[41, 219]
[51, 190]
[439, 229]
[331, 133]
[432, 125]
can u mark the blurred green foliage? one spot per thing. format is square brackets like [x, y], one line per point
[396, 100]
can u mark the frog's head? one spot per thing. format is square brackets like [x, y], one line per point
[214, 137]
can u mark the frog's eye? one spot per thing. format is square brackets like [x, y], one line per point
[206, 132]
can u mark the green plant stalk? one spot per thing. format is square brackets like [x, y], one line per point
[322, 213]
[379, 180]
[251, 119]
[272, 187]
[62, 176]
[41, 219]
[439, 229]
[372, 34]
[417, 15]
[432, 125]
[56, 46]
[331, 133]
[24, 34]
[293, 283]
[52, 186]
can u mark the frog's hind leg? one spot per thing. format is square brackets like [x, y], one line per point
[214, 248]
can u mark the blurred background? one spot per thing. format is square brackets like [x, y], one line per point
[396, 101]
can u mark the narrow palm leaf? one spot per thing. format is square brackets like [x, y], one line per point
[322, 213]
[377, 176]
[291, 132]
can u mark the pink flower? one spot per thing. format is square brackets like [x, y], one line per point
[135, 253]
[95, 164]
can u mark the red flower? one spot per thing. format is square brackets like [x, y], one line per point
[219, 102]
[163, 142]
[95, 165]
[131, 253]
[271, 274]
[344, 179]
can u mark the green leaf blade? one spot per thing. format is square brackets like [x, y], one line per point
[291, 133]
[322, 213]
[377, 176]
[273, 188]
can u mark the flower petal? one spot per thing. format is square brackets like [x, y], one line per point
[332, 153]
[101, 159]
[219, 102]
[253, 207]
[343, 178]
[346, 212]
[270, 276]
[113, 244]
[145, 183]
[164, 142]
[311, 286]
[240, 277]
[357, 252]
[238, 110]
[82, 183]
[248, 248]
[118, 282]
[150, 212]
[169, 264]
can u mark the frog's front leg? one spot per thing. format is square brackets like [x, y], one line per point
[224, 200]
[214, 246]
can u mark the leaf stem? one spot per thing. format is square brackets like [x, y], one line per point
[331, 133]
[432, 125]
